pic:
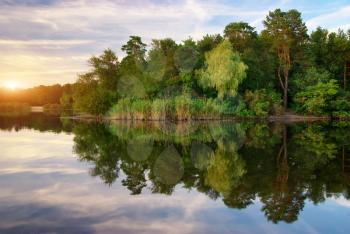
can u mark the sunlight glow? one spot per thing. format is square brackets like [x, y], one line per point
[11, 85]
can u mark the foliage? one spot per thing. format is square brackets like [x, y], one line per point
[95, 91]
[237, 73]
[224, 70]
[311, 77]
[316, 99]
[263, 102]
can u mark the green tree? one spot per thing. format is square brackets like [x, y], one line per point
[95, 91]
[224, 70]
[240, 34]
[288, 33]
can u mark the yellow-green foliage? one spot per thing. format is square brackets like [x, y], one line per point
[181, 108]
[225, 70]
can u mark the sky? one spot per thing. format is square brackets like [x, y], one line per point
[49, 41]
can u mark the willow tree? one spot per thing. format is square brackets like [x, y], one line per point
[287, 33]
[224, 70]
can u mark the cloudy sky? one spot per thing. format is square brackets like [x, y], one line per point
[49, 41]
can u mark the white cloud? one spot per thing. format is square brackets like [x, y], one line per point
[78, 28]
[332, 20]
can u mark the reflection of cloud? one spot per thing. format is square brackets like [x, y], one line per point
[342, 201]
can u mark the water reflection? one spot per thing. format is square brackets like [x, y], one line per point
[279, 165]
[278, 168]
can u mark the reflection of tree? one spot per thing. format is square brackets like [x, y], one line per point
[236, 163]
[285, 202]
[35, 121]
[135, 180]
[94, 143]
[225, 168]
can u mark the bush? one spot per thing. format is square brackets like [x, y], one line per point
[311, 77]
[317, 99]
[262, 103]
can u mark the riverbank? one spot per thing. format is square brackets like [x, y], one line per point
[289, 117]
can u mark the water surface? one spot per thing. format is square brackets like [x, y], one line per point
[58, 176]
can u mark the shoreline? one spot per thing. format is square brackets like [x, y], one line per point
[273, 118]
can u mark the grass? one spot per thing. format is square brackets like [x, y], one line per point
[180, 108]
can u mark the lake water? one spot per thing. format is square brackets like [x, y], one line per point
[59, 176]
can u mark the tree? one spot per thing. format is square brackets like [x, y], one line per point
[240, 34]
[254, 52]
[224, 70]
[106, 69]
[95, 91]
[329, 51]
[288, 33]
[135, 48]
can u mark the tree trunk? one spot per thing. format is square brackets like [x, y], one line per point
[285, 94]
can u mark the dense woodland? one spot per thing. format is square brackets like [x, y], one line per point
[241, 73]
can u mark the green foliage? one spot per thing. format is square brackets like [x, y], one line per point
[95, 91]
[240, 34]
[224, 70]
[311, 77]
[263, 102]
[182, 107]
[316, 99]
[329, 50]
[237, 74]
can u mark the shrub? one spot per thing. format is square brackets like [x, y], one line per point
[263, 103]
[317, 99]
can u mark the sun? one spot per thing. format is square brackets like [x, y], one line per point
[12, 85]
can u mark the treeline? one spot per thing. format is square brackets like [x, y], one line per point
[36, 96]
[242, 73]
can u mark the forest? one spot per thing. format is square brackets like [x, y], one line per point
[240, 73]
[36, 96]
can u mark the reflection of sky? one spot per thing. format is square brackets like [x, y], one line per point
[45, 189]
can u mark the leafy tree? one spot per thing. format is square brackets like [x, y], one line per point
[105, 69]
[330, 50]
[310, 77]
[317, 99]
[287, 33]
[95, 91]
[224, 70]
[240, 34]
